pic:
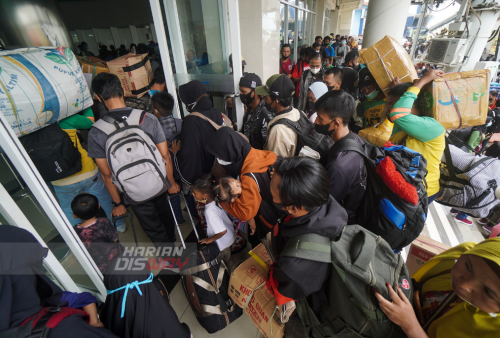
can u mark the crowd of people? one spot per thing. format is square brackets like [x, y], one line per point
[250, 176]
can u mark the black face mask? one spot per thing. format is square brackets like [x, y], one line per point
[357, 68]
[247, 98]
[324, 129]
[280, 208]
[330, 88]
[269, 109]
[284, 58]
[310, 105]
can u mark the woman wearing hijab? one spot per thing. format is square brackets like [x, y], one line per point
[193, 159]
[130, 313]
[236, 155]
[316, 90]
[352, 43]
[25, 291]
[459, 294]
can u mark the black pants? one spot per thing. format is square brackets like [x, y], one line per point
[156, 219]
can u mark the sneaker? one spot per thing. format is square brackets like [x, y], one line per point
[454, 213]
[482, 221]
[488, 228]
[464, 221]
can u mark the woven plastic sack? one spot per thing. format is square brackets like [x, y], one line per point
[40, 86]
[468, 182]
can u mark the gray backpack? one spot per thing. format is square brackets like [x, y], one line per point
[361, 261]
[136, 164]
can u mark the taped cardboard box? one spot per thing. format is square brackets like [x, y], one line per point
[470, 90]
[40, 86]
[91, 69]
[135, 73]
[378, 135]
[421, 250]
[263, 310]
[249, 275]
[386, 60]
[246, 286]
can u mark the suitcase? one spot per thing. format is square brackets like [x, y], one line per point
[206, 286]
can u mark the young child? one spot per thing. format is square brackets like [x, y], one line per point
[219, 226]
[97, 234]
[228, 189]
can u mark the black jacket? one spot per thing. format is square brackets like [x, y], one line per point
[298, 278]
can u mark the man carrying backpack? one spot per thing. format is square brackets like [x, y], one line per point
[346, 169]
[135, 162]
[328, 269]
[299, 187]
[277, 94]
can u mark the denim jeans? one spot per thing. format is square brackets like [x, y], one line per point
[93, 185]
[176, 205]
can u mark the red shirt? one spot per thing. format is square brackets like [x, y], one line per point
[287, 66]
[297, 73]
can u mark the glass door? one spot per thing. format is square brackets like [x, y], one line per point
[198, 31]
[27, 202]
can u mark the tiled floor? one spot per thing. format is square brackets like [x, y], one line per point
[440, 226]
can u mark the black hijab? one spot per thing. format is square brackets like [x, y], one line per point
[193, 159]
[229, 146]
[25, 289]
[148, 315]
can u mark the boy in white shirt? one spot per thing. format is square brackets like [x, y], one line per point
[219, 226]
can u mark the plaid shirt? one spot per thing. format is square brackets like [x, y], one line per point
[168, 123]
[255, 125]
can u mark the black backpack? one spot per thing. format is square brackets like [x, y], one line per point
[53, 153]
[382, 211]
[306, 135]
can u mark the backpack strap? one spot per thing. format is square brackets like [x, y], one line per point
[108, 125]
[215, 125]
[346, 144]
[313, 247]
[255, 179]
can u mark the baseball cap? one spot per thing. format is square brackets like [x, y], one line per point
[365, 78]
[243, 62]
[279, 85]
[250, 80]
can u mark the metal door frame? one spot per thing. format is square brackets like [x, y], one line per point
[27, 170]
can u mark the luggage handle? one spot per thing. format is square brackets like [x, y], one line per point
[366, 253]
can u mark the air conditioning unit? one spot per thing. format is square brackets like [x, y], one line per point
[447, 50]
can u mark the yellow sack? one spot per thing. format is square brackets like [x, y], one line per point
[378, 135]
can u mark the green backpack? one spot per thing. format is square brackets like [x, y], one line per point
[361, 261]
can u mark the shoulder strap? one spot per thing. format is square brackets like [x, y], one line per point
[255, 179]
[283, 68]
[107, 124]
[313, 247]
[215, 125]
[348, 145]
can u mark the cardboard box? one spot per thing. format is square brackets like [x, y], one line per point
[378, 135]
[244, 280]
[90, 70]
[386, 60]
[135, 73]
[40, 86]
[421, 250]
[470, 90]
[249, 274]
[261, 309]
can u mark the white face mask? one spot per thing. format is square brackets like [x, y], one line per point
[222, 162]
[315, 70]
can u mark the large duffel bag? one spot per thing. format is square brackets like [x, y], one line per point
[206, 286]
[468, 181]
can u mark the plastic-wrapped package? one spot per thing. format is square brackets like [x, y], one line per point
[90, 70]
[135, 73]
[40, 86]
[470, 90]
[378, 135]
[386, 60]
